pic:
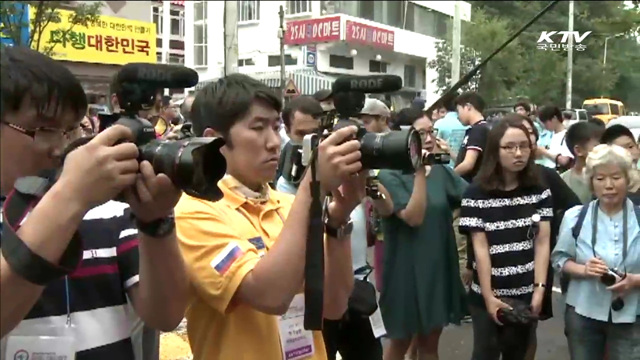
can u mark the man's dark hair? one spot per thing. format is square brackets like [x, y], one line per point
[166, 100]
[579, 134]
[491, 175]
[567, 115]
[548, 112]
[221, 104]
[449, 101]
[598, 123]
[614, 132]
[407, 116]
[472, 98]
[523, 104]
[304, 104]
[48, 85]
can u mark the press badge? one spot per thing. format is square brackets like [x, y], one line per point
[41, 342]
[295, 341]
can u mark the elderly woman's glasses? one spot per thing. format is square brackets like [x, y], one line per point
[513, 148]
[45, 137]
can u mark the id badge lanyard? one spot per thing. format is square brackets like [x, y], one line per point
[68, 301]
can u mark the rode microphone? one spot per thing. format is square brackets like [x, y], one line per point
[159, 76]
[367, 84]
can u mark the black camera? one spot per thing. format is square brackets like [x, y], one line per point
[397, 150]
[194, 164]
[436, 159]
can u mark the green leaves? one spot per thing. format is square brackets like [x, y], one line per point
[44, 14]
[522, 69]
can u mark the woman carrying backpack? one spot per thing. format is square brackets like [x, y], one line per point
[599, 248]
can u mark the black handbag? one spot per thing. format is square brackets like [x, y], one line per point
[363, 300]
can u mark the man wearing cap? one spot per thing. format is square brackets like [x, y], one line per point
[375, 116]
[325, 98]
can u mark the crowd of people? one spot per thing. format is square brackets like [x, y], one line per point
[479, 239]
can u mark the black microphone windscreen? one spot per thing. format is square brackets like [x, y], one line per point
[367, 84]
[158, 75]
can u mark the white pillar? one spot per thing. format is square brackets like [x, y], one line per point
[455, 58]
[570, 59]
[166, 33]
[188, 37]
[230, 37]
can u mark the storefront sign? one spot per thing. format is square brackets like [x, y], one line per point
[110, 40]
[369, 35]
[310, 31]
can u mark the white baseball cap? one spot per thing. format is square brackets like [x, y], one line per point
[375, 107]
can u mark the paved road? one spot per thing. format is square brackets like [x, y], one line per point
[457, 341]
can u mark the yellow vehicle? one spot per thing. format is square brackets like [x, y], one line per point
[604, 109]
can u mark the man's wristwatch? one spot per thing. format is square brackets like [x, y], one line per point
[340, 232]
[158, 228]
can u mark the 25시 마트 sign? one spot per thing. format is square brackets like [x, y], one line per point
[311, 31]
[110, 40]
[369, 35]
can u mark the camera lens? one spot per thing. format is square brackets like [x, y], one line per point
[194, 165]
[608, 279]
[617, 304]
[396, 150]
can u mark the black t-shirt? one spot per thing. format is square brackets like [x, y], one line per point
[474, 139]
[506, 219]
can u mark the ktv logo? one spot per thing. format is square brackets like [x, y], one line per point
[545, 41]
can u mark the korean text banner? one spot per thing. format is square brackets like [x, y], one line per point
[110, 40]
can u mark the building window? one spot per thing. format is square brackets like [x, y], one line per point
[274, 60]
[246, 62]
[248, 11]
[377, 66]
[159, 57]
[298, 7]
[157, 19]
[176, 59]
[409, 76]
[177, 23]
[200, 34]
[427, 22]
[341, 62]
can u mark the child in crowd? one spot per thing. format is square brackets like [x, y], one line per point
[581, 138]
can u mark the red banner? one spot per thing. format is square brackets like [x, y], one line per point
[369, 35]
[311, 31]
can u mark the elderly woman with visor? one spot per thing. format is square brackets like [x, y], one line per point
[599, 248]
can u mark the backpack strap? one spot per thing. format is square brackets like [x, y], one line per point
[636, 209]
[575, 231]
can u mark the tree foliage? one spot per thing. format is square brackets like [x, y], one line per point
[45, 14]
[521, 69]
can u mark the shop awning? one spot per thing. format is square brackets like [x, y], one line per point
[308, 81]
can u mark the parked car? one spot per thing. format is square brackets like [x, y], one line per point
[576, 115]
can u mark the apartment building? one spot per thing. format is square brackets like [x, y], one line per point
[176, 26]
[325, 39]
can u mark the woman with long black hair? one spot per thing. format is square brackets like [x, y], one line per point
[506, 211]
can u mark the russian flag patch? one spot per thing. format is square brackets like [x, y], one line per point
[223, 262]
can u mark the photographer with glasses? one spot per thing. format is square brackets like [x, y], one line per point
[71, 257]
[599, 248]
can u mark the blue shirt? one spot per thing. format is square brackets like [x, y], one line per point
[589, 296]
[544, 141]
[451, 130]
[358, 234]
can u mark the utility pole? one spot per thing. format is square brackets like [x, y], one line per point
[166, 34]
[457, 34]
[281, 33]
[570, 59]
[230, 37]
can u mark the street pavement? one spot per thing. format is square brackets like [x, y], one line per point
[456, 342]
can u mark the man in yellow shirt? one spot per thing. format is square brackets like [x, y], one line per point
[245, 254]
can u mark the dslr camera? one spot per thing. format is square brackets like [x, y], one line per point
[397, 150]
[194, 164]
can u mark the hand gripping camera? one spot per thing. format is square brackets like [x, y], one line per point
[194, 164]
[397, 150]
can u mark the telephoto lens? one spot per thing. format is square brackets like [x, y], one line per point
[394, 150]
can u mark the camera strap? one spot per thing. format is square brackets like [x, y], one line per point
[314, 257]
[625, 231]
[32, 267]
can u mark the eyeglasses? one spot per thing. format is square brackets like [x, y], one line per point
[423, 133]
[513, 148]
[45, 137]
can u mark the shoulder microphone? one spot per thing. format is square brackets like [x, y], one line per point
[367, 84]
[158, 75]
